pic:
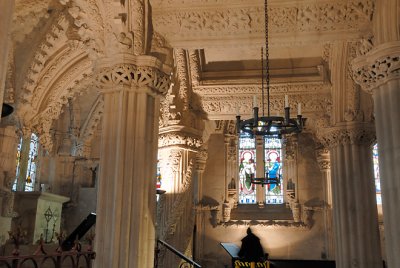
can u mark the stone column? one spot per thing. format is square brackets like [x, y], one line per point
[353, 193]
[324, 162]
[200, 219]
[125, 228]
[378, 73]
[7, 8]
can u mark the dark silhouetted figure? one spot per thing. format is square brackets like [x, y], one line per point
[251, 249]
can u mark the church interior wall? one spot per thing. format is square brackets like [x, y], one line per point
[280, 241]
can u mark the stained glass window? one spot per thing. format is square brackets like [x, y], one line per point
[18, 165]
[376, 174]
[29, 164]
[31, 168]
[247, 169]
[273, 164]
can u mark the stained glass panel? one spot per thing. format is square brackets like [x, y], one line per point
[273, 164]
[247, 169]
[17, 164]
[376, 174]
[31, 170]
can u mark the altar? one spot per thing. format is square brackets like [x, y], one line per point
[40, 215]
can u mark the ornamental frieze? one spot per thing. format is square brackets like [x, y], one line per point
[310, 88]
[218, 107]
[179, 139]
[221, 19]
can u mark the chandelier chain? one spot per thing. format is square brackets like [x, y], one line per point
[266, 56]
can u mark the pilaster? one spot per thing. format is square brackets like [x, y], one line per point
[126, 196]
[324, 163]
[180, 147]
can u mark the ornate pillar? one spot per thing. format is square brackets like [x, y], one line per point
[179, 145]
[353, 194]
[378, 73]
[324, 162]
[125, 228]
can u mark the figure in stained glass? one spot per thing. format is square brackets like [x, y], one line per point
[247, 172]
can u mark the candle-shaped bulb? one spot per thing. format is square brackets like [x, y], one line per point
[286, 101]
[237, 110]
[299, 108]
[254, 101]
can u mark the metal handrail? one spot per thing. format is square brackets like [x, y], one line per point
[179, 254]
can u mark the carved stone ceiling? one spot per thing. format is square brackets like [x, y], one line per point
[229, 34]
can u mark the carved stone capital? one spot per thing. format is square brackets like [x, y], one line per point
[378, 66]
[349, 133]
[133, 72]
[323, 158]
[179, 136]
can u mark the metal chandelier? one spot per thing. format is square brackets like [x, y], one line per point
[273, 126]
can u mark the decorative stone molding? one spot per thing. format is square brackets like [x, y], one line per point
[223, 106]
[323, 158]
[378, 66]
[184, 140]
[224, 20]
[180, 202]
[139, 26]
[201, 159]
[87, 15]
[89, 128]
[275, 224]
[253, 89]
[182, 73]
[74, 81]
[194, 62]
[354, 133]
[135, 76]
[53, 43]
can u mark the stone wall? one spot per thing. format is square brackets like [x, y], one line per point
[283, 239]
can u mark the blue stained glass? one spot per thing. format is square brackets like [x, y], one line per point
[273, 164]
[32, 165]
[375, 156]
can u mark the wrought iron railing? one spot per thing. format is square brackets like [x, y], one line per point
[71, 259]
[187, 262]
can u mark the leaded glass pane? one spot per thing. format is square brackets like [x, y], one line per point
[17, 164]
[31, 170]
[376, 174]
[273, 164]
[247, 169]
